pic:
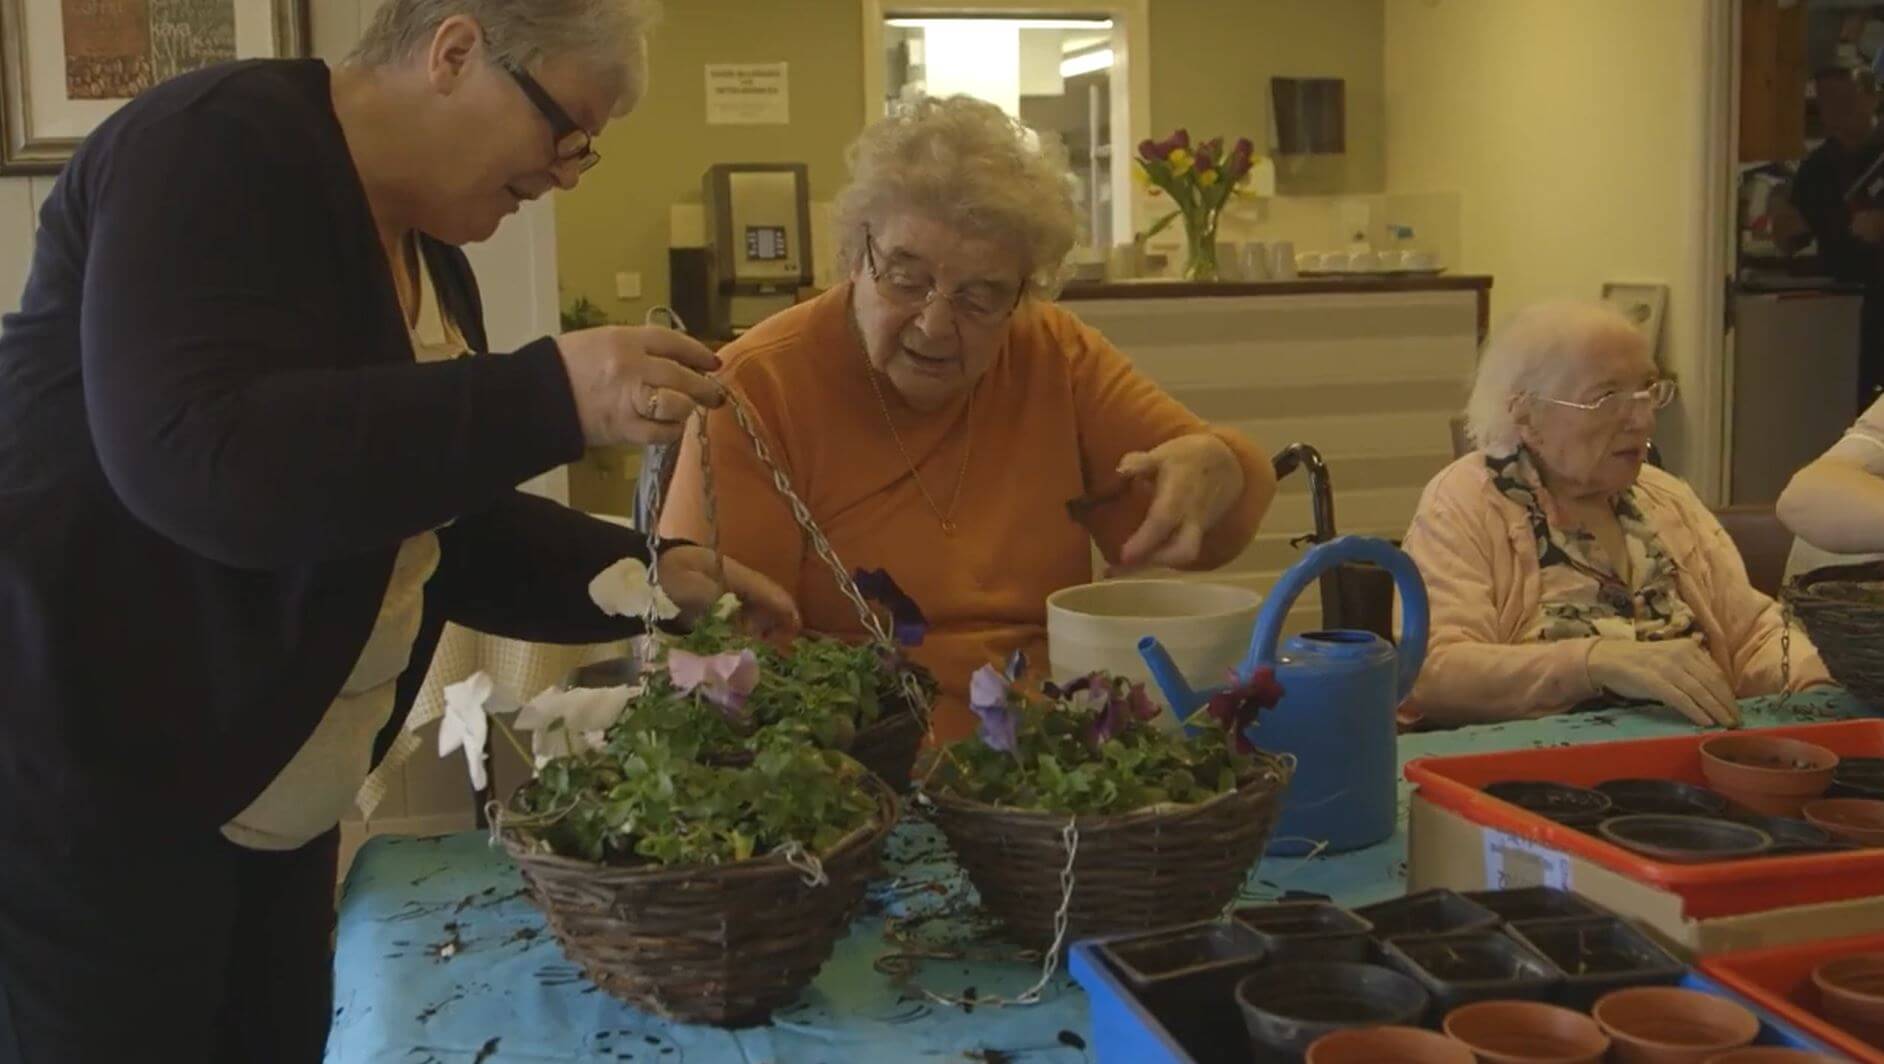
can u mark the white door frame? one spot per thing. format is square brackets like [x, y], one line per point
[1710, 450]
[1131, 48]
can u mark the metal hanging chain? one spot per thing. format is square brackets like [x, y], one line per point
[802, 514]
[901, 963]
[913, 694]
[1785, 651]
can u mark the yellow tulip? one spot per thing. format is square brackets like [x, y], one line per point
[1180, 161]
[1207, 178]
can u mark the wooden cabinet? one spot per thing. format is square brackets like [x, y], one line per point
[1772, 79]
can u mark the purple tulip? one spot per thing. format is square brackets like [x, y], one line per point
[1181, 139]
[1243, 147]
[1148, 150]
[907, 623]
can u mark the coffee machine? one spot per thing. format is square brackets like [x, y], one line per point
[758, 236]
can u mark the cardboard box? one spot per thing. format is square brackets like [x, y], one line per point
[1444, 849]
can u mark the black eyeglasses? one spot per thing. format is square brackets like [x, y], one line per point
[572, 141]
[980, 303]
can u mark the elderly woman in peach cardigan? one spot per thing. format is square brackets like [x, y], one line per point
[1563, 571]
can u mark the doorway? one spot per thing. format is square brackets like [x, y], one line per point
[1069, 69]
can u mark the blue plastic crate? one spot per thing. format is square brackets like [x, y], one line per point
[1773, 1030]
[1125, 1032]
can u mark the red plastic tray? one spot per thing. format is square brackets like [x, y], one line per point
[1724, 888]
[1779, 980]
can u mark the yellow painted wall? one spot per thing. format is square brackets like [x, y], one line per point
[1573, 134]
[617, 218]
[1212, 61]
[1210, 65]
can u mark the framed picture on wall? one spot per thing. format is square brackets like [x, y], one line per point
[65, 65]
[1645, 304]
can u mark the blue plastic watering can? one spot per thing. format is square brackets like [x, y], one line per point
[1337, 715]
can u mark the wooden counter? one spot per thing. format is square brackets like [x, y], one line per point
[1349, 284]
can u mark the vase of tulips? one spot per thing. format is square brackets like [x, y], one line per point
[1200, 179]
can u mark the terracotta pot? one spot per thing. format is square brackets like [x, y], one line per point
[1851, 989]
[1771, 1055]
[1371, 1045]
[1526, 1032]
[1765, 773]
[1205, 626]
[1666, 1025]
[1859, 820]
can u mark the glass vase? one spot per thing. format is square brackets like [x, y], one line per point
[1200, 235]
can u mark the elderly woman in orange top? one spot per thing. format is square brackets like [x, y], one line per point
[1562, 571]
[937, 411]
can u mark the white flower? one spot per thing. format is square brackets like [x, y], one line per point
[624, 590]
[727, 605]
[464, 724]
[565, 722]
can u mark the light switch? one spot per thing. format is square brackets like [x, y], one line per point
[627, 286]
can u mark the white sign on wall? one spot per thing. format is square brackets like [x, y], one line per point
[747, 94]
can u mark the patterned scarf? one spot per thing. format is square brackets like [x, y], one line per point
[1582, 595]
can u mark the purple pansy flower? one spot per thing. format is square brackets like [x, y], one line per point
[907, 624]
[1236, 706]
[1123, 703]
[987, 696]
[725, 679]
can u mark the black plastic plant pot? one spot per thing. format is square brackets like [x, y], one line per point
[1300, 932]
[1686, 839]
[1536, 903]
[1187, 976]
[1792, 837]
[1577, 807]
[1287, 1007]
[1662, 797]
[1857, 777]
[1597, 955]
[1463, 967]
[1430, 912]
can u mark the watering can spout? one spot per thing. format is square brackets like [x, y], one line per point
[1177, 690]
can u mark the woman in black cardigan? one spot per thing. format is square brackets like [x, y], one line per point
[240, 494]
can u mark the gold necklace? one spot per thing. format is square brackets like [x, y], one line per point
[947, 517]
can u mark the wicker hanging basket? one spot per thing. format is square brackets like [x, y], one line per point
[1845, 621]
[719, 944]
[888, 747]
[1134, 871]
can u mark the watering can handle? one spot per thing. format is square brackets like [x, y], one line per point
[1340, 551]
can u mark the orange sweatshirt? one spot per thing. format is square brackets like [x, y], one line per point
[1048, 422]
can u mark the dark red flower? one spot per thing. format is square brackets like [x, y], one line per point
[1236, 706]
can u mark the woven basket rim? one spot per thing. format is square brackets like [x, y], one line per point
[889, 812]
[1800, 586]
[1278, 773]
[885, 721]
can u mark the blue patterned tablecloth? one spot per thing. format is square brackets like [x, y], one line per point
[441, 957]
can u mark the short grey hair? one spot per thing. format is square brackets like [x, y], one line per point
[967, 164]
[610, 35]
[1531, 354]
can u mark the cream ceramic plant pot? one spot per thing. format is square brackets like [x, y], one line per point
[1206, 627]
